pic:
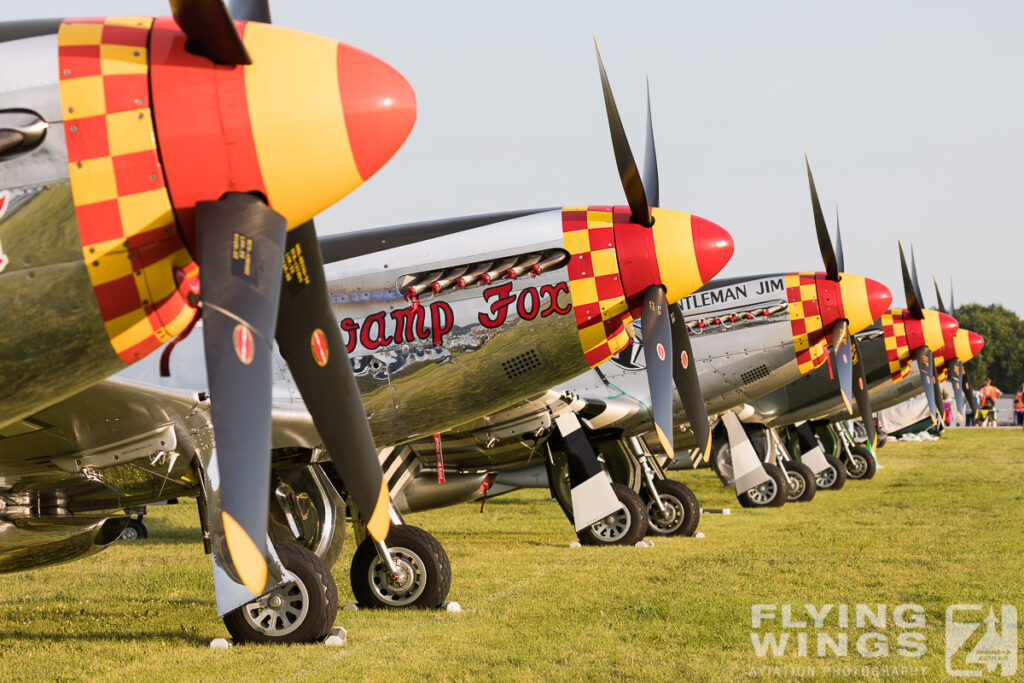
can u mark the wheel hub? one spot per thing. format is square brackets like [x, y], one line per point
[669, 518]
[280, 611]
[826, 478]
[796, 485]
[401, 587]
[763, 493]
[613, 527]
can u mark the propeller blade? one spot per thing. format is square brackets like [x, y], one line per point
[210, 31]
[842, 352]
[926, 366]
[250, 10]
[592, 495]
[956, 378]
[952, 304]
[651, 184]
[312, 345]
[840, 261]
[913, 276]
[636, 196]
[972, 402]
[656, 331]
[938, 295]
[862, 396]
[240, 246]
[684, 374]
[913, 302]
[824, 243]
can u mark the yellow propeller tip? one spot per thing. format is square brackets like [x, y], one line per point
[247, 558]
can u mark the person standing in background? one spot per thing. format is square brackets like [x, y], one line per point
[1018, 405]
[989, 394]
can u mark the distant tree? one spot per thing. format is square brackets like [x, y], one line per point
[1002, 359]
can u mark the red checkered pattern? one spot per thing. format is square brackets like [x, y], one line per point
[140, 270]
[809, 340]
[897, 348]
[595, 284]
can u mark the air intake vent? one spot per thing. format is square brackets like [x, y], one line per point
[521, 364]
[751, 376]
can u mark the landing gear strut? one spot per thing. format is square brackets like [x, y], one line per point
[418, 575]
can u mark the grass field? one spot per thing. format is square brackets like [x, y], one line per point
[940, 524]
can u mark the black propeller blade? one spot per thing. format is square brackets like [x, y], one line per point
[684, 374]
[842, 352]
[913, 301]
[250, 10]
[938, 295]
[240, 246]
[651, 184]
[312, 345]
[840, 261]
[633, 185]
[863, 398]
[956, 378]
[824, 242]
[656, 330]
[210, 30]
[926, 366]
[913, 276]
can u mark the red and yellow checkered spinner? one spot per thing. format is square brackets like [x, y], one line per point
[152, 129]
[904, 333]
[817, 302]
[613, 260]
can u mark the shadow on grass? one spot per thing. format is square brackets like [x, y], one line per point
[175, 637]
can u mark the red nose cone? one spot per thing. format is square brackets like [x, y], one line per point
[379, 107]
[977, 343]
[879, 297]
[713, 246]
[949, 326]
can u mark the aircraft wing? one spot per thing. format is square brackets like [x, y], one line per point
[119, 420]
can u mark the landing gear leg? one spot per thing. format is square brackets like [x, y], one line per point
[757, 484]
[410, 568]
[672, 508]
[799, 478]
[859, 461]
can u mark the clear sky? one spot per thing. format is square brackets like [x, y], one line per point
[912, 114]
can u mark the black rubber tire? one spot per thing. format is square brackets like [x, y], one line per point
[795, 468]
[881, 438]
[637, 523]
[323, 601]
[134, 531]
[684, 510]
[840, 468]
[417, 548]
[777, 499]
[862, 457]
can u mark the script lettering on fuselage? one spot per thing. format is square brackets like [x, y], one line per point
[434, 319]
[732, 294]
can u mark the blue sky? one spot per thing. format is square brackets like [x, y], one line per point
[911, 113]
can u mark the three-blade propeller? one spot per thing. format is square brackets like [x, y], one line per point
[260, 281]
[666, 340]
[851, 379]
[924, 357]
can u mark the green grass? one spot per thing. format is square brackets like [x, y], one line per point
[940, 524]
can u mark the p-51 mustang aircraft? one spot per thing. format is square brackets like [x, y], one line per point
[426, 311]
[749, 335]
[883, 357]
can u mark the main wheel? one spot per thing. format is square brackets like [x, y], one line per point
[771, 493]
[801, 481]
[861, 464]
[625, 527]
[682, 512]
[424, 572]
[833, 478]
[302, 611]
[135, 531]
